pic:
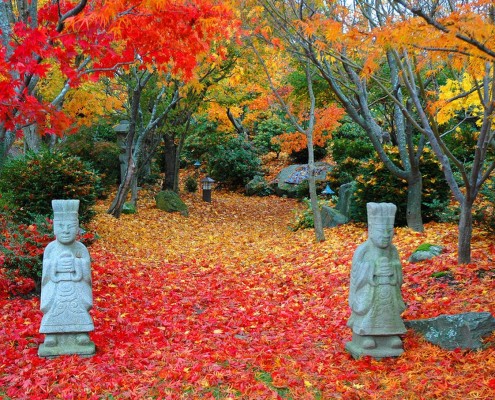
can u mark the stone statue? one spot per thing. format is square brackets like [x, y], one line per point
[375, 289]
[66, 292]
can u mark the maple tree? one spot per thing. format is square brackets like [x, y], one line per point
[397, 73]
[458, 34]
[326, 33]
[233, 304]
[32, 35]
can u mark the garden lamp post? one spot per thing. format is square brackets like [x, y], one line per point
[197, 164]
[206, 184]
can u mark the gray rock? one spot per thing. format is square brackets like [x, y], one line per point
[345, 195]
[450, 332]
[331, 218]
[288, 180]
[425, 252]
[258, 186]
[168, 200]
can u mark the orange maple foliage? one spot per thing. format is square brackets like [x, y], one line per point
[208, 306]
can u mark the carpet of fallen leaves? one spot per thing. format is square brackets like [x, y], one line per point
[230, 304]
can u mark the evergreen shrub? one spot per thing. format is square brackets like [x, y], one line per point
[234, 162]
[375, 183]
[30, 183]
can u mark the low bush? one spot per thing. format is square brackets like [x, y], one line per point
[375, 183]
[30, 183]
[234, 163]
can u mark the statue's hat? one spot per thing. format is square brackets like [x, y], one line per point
[65, 208]
[381, 213]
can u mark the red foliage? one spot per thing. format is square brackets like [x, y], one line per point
[229, 302]
[157, 34]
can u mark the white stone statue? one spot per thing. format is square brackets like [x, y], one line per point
[375, 289]
[66, 291]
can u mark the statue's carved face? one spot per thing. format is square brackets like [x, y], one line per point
[65, 230]
[381, 235]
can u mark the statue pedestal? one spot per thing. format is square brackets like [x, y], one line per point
[384, 346]
[67, 343]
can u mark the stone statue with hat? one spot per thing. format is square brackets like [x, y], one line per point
[66, 290]
[375, 289]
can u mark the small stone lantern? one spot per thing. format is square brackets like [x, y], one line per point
[327, 191]
[122, 129]
[206, 184]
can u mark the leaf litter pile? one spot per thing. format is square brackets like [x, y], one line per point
[230, 304]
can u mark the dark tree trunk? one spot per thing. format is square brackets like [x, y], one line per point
[169, 164]
[465, 233]
[414, 197]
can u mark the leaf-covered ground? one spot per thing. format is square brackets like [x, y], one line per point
[229, 304]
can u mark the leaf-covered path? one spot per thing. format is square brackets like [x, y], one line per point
[230, 304]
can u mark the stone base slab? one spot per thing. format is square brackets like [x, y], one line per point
[66, 344]
[386, 346]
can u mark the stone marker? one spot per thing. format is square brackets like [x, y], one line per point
[375, 289]
[330, 218]
[458, 331]
[66, 292]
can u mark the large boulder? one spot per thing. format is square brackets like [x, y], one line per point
[168, 200]
[288, 180]
[450, 332]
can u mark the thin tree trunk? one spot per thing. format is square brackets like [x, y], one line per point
[414, 197]
[124, 188]
[465, 233]
[313, 196]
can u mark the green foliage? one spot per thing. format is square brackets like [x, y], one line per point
[233, 163]
[258, 186]
[30, 183]
[375, 183]
[96, 145]
[203, 137]
[349, 147]
[191, 184]
[265, 131]
[304, 219]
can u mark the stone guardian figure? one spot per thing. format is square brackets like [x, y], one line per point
[66, 291]
[375, 289]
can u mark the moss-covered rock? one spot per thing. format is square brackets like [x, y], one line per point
[168, 200]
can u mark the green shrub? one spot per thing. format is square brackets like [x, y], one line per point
[191, 184]
[97, 146]
[304, 219]
[265, 131]
[233, 163]
[375, 183]
[32, 182]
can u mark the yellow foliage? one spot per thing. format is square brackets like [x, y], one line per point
[470, 103]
